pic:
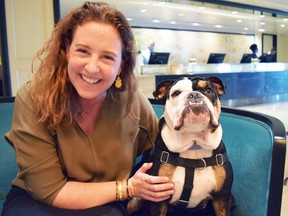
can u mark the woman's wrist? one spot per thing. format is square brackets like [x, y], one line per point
[122, 190]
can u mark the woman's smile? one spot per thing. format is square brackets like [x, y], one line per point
[89, 80]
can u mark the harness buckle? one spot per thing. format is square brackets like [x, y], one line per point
[219, 159]
[164, 157]
[204, 164]
[183, 202]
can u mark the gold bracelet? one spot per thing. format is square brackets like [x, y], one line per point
[120, 190]
[127, 189]
[116, 190]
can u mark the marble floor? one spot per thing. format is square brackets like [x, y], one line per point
[280, 111]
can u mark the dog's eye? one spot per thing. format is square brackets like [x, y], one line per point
[176, 93]
[209, 90]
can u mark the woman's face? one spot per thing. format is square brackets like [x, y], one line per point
[94, 59]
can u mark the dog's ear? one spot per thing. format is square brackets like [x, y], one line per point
[217, 83]
[162, 89]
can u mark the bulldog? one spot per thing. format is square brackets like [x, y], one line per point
[189, 149]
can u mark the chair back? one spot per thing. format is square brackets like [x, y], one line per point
[8, 167]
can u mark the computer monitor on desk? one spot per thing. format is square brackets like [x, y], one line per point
[267, 58]
[159, 58]
[216, 58]
[246, 58]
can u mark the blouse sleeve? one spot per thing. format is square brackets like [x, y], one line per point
[40, 172]
[148, 124]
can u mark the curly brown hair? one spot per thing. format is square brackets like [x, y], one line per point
[51, 89]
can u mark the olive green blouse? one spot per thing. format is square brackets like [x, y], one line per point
[106, 154]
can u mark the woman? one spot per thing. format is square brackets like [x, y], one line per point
[79, 124]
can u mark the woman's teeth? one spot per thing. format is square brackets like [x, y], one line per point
[88, 80]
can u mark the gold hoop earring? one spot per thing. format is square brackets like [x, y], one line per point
[118, 82]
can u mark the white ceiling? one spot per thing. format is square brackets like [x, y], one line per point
[188, 15]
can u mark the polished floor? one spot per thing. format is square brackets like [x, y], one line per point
[280, 111]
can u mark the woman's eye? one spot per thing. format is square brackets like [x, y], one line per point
[82, 51]
[109, 57]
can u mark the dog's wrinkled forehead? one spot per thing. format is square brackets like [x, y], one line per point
[205, 85]
[185, 86]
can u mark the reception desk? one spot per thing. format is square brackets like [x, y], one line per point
[246, 84]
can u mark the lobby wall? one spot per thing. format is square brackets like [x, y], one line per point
[183, 45]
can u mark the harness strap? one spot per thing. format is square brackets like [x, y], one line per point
[174, 159]
[187, 187]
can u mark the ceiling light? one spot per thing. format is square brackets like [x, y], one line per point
[246, 29]
[262, 23]
[181, 14]
[218, 26]
[173, 22]
[285, 19]
[234, 12]
[262, 16]
[201, 8]
[261, 30]
[282, 25]
[143, 10]
[129, 19]
[239, 21]
[195, 24]
[156, 21]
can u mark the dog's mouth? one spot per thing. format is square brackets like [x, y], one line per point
[197, 108]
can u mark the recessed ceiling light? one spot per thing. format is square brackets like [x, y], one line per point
[143, 10]
[218, 26]
[181, 14]
[246, 29]
[156, 21]
[129, 19]
[173, 22]
[234, 12]
[282, 25]
[201, 8]
[285, 19]
[261, 30]
[195, 24]
[262, 23]
[239, 21]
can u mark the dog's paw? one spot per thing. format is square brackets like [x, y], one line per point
[134, 205]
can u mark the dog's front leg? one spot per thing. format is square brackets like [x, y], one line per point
[221, 207]
[158, 209]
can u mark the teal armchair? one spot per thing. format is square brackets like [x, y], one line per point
[8, 167]
[256, 146]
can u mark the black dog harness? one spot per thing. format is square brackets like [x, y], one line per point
[161, 154]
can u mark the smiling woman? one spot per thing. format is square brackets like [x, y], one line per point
[74, 150]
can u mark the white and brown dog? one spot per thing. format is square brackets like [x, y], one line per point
[189, 148]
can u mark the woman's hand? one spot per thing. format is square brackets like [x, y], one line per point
[153, 188]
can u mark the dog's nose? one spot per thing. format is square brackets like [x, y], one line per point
[193, 95]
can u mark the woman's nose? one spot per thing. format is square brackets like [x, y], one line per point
[92, 66]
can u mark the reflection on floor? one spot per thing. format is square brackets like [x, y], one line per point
[280, 111]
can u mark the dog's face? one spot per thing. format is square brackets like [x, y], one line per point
[192, 109]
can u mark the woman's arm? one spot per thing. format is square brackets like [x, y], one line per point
[78, 195]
